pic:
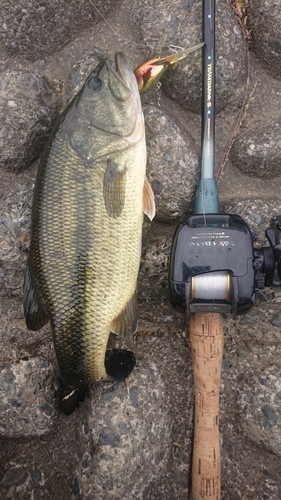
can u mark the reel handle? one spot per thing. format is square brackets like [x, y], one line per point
[206, 342]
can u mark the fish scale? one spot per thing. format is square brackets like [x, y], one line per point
[87, 223]
[84, 223]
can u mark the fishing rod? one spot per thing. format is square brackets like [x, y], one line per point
[214, 270]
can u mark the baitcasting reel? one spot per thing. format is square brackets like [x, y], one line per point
[214, 266]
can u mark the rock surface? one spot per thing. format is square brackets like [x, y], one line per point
[36, 29]
[28, 106]
[172, 165]
[27, 398]
[265, 23]
[15, 213]
[134, 441]
[130, 429]
[257, 150]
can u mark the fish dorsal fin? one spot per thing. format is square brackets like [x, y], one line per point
[114, 187]
[35, 315]
[148, 200]
[126, 322]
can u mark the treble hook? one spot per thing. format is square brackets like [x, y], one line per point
[150, 72]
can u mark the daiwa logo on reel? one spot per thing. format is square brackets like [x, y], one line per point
[214, 239]
[222, 243]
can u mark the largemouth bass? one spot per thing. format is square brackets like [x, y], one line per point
[90, 194]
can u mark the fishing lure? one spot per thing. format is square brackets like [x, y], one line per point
[150, 72]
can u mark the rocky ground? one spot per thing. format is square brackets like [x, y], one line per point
[134, 440]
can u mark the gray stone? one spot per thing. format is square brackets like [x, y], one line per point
[172, 166]
[256, 218]
[256, 150]
[28, 107]
[266, 209]
[276, 320]
[138, 447]
[27, 402]
[15, 214]
[270, 417]
[260, 414]
[36, 29]
[36, 475]
[14, 476]
[265, 25]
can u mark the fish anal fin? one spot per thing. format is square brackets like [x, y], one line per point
[119, 363]
[148, 200]
[35, 315]
[126, 322]
[114, 187]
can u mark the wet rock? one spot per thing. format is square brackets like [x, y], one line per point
[276, 320]
[28, 107]
[172, 166]
[35, 29]
[27, 401]
[181, 27]
[251, 379]
[130, 431]
[265, 25]
[258, 151]
[257, 213]
[14, 476]
[260, 415]
[16, 483]
[153, 277]
[15, 215]
[153, 285]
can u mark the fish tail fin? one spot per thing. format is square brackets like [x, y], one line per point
[70, 397]
[119, 363]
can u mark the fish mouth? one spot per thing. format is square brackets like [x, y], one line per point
[123, 69]
[121, 78]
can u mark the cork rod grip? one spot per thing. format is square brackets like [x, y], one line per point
[206, 341]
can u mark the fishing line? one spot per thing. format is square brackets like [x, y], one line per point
[171, 47]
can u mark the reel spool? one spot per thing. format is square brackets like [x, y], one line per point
[210, 292]
[211, 286]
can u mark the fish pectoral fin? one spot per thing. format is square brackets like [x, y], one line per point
[148, 200]
[114, 187]
[126, 323]
[35, 315]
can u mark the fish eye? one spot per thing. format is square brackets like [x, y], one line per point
[95, 83]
